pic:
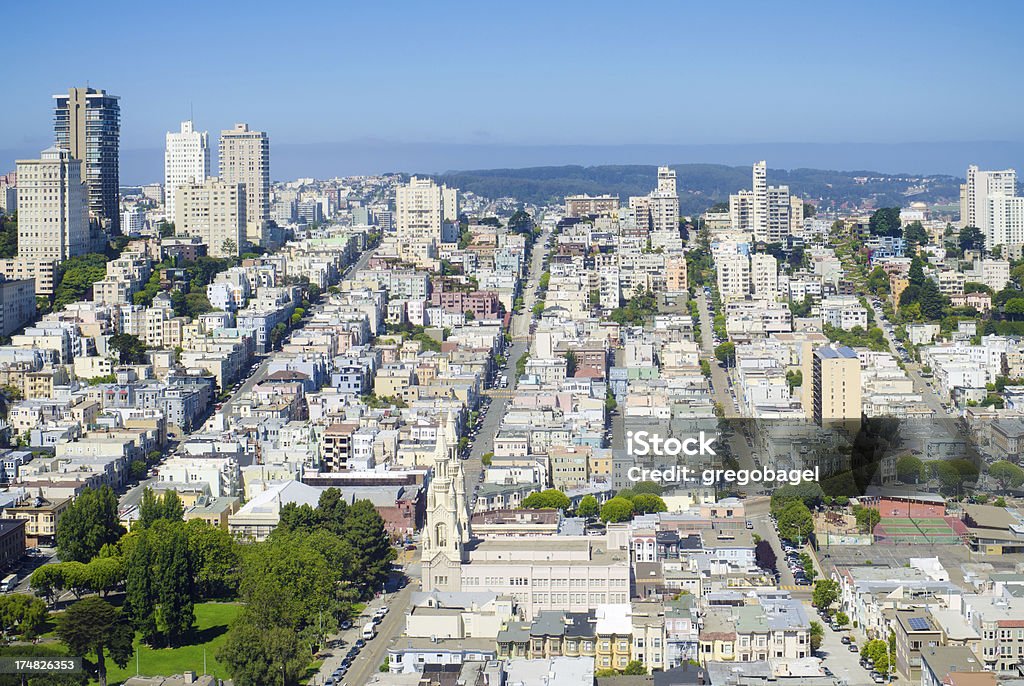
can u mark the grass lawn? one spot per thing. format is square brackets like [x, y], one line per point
[212, 620]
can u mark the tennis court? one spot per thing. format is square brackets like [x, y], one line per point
[908, 531]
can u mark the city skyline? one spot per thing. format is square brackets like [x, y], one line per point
[871, 80]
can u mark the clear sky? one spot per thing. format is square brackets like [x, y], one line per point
[523, 72]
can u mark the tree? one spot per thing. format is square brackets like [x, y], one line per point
[878, 282]
[140, 588]
[259, 653]
[794, 378]
[138, 470]
[932, 300]
[909, 469]
[885, 221]
[826, 592]
[89, 523]
[651, 487]
[971, 238]
[618, 509]
[94, 626]
[588, 507]
[23, 612]
[130, 349]
[764, 555]
[842, 619]
[176, 612]
[1007, 474]
[645, 503]
[634, 668]
[916, 275]
[808, 492]
[867, 518]
[363, 530]
[795, 521]
[914, 234]
[215, 558]
[78, 275]
[817, 635]
[550, 499]
[153, 508]
[726, 353]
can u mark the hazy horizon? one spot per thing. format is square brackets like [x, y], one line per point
[326, 160]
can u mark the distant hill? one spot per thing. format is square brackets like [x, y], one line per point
[702, 185]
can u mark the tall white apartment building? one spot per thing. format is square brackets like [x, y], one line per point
[186, 160]
[53, 209]
[733, 276]
[215, 211]
[764, 276]
[766, 211]
[245, 159]
[664, 202]
[422, 208]
[760, 197]
[1005, 216]
[975, 194]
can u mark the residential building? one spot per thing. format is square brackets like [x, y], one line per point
[17, 304]
[186, 161]
[215, 212]
[591, 206]
[87, 123]
[53, 213]
[245, 159]
[832, 386]
[422, 208]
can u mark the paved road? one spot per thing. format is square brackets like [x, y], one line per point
[371, 657]
[484, 443]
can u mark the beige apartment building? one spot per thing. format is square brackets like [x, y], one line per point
[245, 159]
[53, 214]
[422, 208]
[591, 205]
[215, 212]
[832, 385]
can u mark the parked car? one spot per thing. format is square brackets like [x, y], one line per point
[853, 648]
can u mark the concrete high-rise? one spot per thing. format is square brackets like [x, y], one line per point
[87, 123]
[214, 211]
[53, 214]
[186, 160]
[975, 197]
[832, 385]
[245, 159]
[760, 197]
[422, 208]
[664, 204]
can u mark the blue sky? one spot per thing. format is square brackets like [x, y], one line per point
[522, 73]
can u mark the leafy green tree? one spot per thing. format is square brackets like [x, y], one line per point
[78, 274]
[909, 469]
[932, 300]
[25, 613]
[216, 560]
[915, 235]
[618, 509]
[550, 499]
[867, 518]
[842, 619]
[634, 668]
[588, 507]
[817, 635]
[261, 649]
[916, 275]
[809, 493]
[795, 521]
[826, 592]
[138, 470]
[130, 349]
[645, 503]
[174, 591]
[885, 221]
[140, 603]
[363, 530]
[1007, 474]
[971, 238]
[94, 627]
[878, 282]
[154, 508]
[651, 487]
[89, 523]
[726, 353]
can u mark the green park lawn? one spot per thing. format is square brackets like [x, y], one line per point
[212, 620]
